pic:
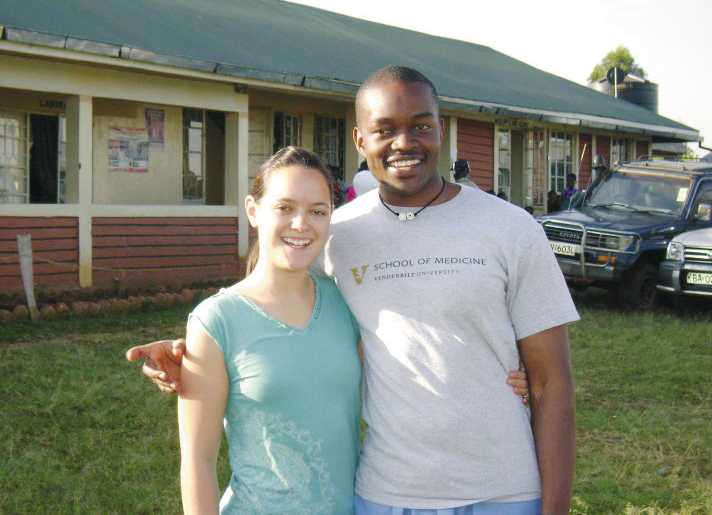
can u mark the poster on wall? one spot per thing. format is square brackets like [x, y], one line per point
[154, 126]
[128, 149]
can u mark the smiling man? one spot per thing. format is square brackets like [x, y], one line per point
[451, 287]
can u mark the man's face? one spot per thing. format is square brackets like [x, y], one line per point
[399, 133]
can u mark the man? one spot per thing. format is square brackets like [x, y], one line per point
[571, 193]
[461, 172]
[450, 287]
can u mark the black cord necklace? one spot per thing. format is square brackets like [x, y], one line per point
[410, 215]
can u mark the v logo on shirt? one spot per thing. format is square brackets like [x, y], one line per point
[359, 273]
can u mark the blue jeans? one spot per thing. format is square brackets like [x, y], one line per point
[364, 507]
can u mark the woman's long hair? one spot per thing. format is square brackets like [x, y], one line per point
[284, 157]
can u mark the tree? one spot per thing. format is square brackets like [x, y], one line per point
[619, 57]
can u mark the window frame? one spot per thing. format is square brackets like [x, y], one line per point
[188, 175]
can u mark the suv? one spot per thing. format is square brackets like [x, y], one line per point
[617, 234]
[687, 269]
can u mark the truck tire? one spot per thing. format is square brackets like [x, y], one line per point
[638, 290]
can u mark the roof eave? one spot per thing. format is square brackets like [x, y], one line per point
[658, 132]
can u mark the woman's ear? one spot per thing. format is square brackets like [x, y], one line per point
[251, 206]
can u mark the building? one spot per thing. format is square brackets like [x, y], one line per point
[130, 131]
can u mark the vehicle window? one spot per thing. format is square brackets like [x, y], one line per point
[642, 192]
[703, 203]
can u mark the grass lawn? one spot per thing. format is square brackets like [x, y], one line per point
[84, 433]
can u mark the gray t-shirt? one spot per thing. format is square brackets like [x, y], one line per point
[441, 301]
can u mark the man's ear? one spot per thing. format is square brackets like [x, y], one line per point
[251, 207]
[358, 141]
[441, 123]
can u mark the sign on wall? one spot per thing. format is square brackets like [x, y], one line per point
[154, 126]
[128, 149]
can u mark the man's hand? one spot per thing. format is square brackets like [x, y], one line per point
[163, 362]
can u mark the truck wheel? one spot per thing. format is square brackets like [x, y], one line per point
[638, 291]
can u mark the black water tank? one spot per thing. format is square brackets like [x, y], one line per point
[644, 94]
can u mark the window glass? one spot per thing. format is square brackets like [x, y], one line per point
[194, 155]
[329, 140]
[560, 160]
[504, 163]
[13, 158]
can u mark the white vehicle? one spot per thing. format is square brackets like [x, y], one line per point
[687, 269]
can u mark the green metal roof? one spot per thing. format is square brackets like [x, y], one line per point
[284, 42]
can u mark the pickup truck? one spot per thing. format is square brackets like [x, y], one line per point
[616, 236]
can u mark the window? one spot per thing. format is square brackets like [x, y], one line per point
[622, 150]
[203, 157]
[62, 160]
[32, 158]
[13, 158]
[287, 131]
[329, 140]
[504, 162]
[535, 163]
[194, 156]
[560, 160]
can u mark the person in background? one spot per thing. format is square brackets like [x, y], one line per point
[363, 181]
[553, 201]
[571, 193]
[461, 173]
[341, 187]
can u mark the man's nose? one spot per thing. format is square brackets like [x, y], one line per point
[403, 141]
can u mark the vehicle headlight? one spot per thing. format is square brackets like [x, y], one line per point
[616, 242]
[675, 251]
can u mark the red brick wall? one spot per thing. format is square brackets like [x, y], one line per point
[603, 148]
[164, 250]
[55, 251]
[136, 251]
[475, 142]
[641, 149]
[585, 168]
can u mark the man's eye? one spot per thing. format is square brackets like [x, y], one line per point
[383, 131]
[422, 127]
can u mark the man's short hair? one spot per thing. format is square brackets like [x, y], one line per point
[394, 73]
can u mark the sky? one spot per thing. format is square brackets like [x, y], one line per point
[669, 39]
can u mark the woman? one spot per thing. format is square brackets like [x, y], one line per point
[275, 355]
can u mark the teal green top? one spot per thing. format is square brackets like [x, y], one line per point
[292, 416]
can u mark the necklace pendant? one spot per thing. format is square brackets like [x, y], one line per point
[410, 215]
[401, 216]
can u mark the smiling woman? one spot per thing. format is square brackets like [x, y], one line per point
[276, 357]
[285, 158]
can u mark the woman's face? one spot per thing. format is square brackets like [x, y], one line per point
[292, 217]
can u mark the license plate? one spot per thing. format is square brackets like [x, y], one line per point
[564, 249]
[696, 278]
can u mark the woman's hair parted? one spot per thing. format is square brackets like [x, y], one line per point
[283, 158]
